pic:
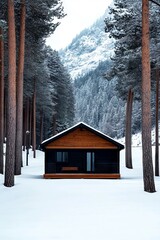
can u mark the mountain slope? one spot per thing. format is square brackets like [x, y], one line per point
[97, 103]
[87, 59]
[87, 49]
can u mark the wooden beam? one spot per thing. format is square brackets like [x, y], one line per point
[82, 175]
[81, 148]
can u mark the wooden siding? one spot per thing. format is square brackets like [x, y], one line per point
[81, 139]
[81, 175]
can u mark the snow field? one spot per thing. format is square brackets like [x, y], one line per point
[79, 209]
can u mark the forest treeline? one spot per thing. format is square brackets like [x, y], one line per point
[135, 28]
[106, 99]
[36, 92]
[132, 74]
[36, 97]
[124, 25]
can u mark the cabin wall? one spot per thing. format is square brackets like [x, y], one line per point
[81, 139]
[50, 161]
[107, 161]
[81, 161]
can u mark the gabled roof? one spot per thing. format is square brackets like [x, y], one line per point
[85, 126]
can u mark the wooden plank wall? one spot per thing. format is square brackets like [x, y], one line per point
[81, 139]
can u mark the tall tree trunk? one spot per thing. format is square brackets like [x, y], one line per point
[24, 127]
[11, 99]
[20, 71]
[5, 114]
[148, 174]
[30, 120]
[27, 133]
[41, 126]
[128, 134]
[1, 99]
[26, 123]
[27, 115]
[34, 121]
[157, 125]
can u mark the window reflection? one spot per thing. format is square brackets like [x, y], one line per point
[62, 157]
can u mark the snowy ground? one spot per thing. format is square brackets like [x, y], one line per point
[38, 209]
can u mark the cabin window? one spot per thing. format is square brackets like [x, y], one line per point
[90, 161]
[62, 157]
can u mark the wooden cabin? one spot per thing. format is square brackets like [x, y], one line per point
[81, 152]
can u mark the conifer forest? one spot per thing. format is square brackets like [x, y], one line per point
[43, 91]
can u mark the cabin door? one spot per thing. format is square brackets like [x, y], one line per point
[90, 162]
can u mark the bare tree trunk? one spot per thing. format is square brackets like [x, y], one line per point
[20, 71]
[157, 125]
[5, 114]
[30, 120]
[128, 135]
[41, 127]
[26, 122]
[1, 99]
[11, 99]
[34, 121]
[27, 115]
[24, 127]
[148, 175]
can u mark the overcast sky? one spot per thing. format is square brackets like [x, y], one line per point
[80, 15]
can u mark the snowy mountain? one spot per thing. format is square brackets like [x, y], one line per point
[97, 103]
[87, 49]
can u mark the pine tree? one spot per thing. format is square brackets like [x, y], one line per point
[62, 95]
[11, 99]
[157, 125]
[148, 175]
[1, 98]
[19, 92]
[39, 24]
[128, 134]
[124, 26]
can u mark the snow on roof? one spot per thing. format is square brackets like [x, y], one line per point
[76, 125]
